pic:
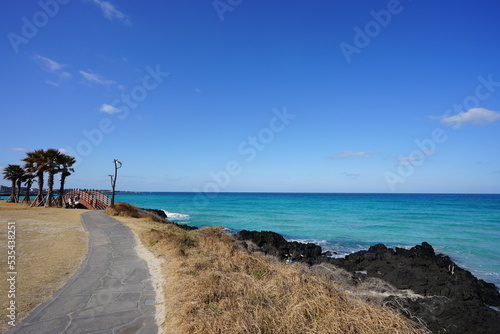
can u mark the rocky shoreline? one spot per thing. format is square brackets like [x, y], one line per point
[424, 286]
[161, 214]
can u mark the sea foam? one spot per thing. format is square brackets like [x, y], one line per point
[177, 217]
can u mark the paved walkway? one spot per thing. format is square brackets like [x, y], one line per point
[110, 293]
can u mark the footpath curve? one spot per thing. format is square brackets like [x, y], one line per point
[110, 293]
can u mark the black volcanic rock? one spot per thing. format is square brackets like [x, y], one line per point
[454, 301]
[274, 244]
[164, 216]
[422, 271]
[449, 299]
[160, 213]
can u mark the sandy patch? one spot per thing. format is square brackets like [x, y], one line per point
[155, 269]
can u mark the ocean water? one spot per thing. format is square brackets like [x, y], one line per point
[463, 226]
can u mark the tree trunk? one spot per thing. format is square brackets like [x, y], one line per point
[50, 185]
[12, 192]
[60, 197]
[39, 197]
[29, 183]
[18, 190]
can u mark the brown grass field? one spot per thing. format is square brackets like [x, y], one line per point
[212, 285]
[50, 245]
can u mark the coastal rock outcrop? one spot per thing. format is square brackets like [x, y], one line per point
[453, 300]
[445, 297]
[162, 215]
[274, 244]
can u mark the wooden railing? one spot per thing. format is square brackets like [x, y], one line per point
[91, 199]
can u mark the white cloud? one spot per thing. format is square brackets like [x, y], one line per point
[48, 64]
[352, 174]
[65, 75]
[52, 83]
[95, 78]
[110, 12]
[474, 116]
[52, 66]
[109, 109]
[347, 154]
[63, 151]
[19, 149]
[405, 161]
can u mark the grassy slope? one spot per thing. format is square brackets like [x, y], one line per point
[212, 285]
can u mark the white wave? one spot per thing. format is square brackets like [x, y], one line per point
[336, 251]
[306, 241]
[407, 247]
[177, 216]
[494, 308]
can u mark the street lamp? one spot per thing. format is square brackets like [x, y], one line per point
[118, 165]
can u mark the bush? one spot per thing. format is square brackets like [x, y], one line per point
[128, 210]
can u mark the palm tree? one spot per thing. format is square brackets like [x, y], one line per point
[52, 157]
[9, 174]
[65, 162]
[13, 173]
[35, 164]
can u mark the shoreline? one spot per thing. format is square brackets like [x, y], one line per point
[430, 286]
[435, 292]
[487, 276]
[341, 253]
[351, 222]
[211, 282]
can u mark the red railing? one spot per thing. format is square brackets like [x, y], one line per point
[91, 199]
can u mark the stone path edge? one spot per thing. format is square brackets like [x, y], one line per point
[57, 293]
[106, 286]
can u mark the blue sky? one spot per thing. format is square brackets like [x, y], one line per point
[285, 96]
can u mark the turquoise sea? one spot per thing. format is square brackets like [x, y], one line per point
[463, 226]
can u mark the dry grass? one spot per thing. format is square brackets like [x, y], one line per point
[50, 245]
[212, 285]
[123, 209]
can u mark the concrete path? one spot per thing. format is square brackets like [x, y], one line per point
[110, 293]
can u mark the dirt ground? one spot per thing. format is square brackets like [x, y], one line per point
[50, 245]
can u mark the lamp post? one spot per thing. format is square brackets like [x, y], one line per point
[118, 165]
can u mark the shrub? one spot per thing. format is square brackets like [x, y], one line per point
[128, 210]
